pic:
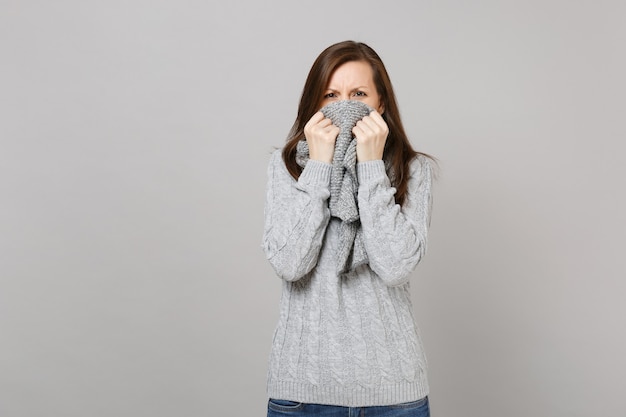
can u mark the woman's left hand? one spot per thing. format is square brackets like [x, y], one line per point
[371, 134]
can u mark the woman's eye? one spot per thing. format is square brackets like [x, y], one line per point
[359, 94]
[330, 95]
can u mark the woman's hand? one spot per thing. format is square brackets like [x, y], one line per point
[321, 134]
[371, 134]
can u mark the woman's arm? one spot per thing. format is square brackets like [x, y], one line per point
[394, 237]
[296, 216]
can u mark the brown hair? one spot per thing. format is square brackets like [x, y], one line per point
[398, 150]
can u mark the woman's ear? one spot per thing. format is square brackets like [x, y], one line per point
[381, 109]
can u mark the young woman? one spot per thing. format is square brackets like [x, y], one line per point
[347, 211]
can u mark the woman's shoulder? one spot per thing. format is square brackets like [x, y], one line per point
[276, 165]
[276, 157]
[421, 165]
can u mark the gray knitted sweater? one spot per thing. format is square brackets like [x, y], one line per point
[348, 340]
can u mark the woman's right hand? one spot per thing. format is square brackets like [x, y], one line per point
[321, 134]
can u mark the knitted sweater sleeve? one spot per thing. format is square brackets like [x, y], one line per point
[296, 216]
[394, 236]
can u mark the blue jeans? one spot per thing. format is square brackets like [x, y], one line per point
[280, 408]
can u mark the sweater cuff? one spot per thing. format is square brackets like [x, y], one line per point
[316, 172]
[370, 170]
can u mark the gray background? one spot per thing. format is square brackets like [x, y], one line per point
[134, 141]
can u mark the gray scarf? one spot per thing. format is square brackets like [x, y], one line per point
[343, 181]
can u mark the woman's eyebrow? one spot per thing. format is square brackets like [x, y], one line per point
[362, 87]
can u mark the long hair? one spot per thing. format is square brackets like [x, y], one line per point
[398, 152]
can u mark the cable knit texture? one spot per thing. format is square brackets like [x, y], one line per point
[343, 181]
[346, 339]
